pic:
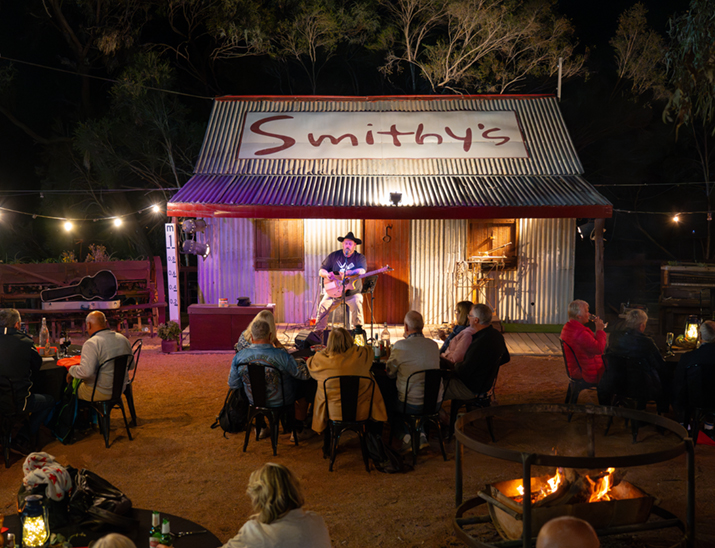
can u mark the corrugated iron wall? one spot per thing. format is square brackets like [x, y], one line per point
[538, 291]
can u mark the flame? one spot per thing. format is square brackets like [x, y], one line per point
[552, 484]
[691, 332]
[600, 487]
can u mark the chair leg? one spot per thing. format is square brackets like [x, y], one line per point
[441, 440]
[249, 427]
[363, 446]
[126, 424]
[333, 447]
[568, 394]
[275, 425]
[453, 412]
[103, 421]
[129, 395]
[415, 435]
[695, 427]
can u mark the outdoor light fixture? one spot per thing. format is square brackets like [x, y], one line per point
[395, 197]
[117, 221]
[692, 326]
[676, 218]
[585, 229]
[35, 522]
[68, 226]
[191, 226]
[156, 209]
[192, 247]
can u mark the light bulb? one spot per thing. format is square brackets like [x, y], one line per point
[117, 221]
[68, 226]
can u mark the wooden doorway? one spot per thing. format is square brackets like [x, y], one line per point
[387, 242]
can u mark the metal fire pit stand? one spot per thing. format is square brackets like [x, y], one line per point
[685, 445]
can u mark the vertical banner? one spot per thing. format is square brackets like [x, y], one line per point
[172, 271]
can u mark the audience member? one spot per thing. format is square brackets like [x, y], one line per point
[694, 383]
[293, 371]
[20, 362]
[113, 540]
[473, 376]
[643, 384]
[413, 353]
[103, 344]
[567, 532]
[279, 521]
[588, 347]
[245, 340]
[463, 308]
[343, 357]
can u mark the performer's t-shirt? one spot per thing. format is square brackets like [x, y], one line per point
[338, 262]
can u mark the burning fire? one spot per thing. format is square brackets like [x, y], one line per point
[552, 484]
[601, 487]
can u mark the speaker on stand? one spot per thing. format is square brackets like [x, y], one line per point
[368, 286]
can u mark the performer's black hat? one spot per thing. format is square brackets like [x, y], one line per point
[350, 236]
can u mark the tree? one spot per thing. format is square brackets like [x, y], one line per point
[691, 78]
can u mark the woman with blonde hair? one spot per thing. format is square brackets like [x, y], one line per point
[113, 540]
[280, 520]
[463, 309]
[343, 357]
[245, 340]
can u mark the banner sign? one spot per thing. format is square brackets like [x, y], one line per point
[381, 135]
[172, 271]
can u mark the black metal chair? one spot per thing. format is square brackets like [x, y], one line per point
[104, 407]
[482, 400]
[576, 386]
[128, 393]
[350, 388]
[260, 376]
[700, 380]
[431, 405]
[10, 415]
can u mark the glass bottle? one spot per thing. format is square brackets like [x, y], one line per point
[385, 341]
[166, 538]
[155, 531]
[45, 338]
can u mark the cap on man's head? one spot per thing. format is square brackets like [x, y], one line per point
[350, 236]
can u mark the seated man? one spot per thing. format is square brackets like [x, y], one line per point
[103, 344]
[262, 351]
[20, 362]
[643, 384]
[587, 346]
[474, 375]
[413, 353]
[694, 383]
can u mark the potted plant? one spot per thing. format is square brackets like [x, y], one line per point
[170, 335]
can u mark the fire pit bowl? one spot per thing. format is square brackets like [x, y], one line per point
[514, 520]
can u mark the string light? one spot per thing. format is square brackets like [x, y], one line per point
[155, 208]
[676, 218]
[68, 226]
[117, 221]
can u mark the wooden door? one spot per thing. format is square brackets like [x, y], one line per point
[387, 242]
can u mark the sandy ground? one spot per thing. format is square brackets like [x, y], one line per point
[177, 464]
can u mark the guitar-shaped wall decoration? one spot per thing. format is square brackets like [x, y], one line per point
[103, 286]
[334, 289]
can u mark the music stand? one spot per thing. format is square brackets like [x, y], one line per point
[368, 286]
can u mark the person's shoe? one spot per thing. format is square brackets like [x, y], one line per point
[303, 435]
[20, 446]
[265, 433]
[406, 445]
[424, 443]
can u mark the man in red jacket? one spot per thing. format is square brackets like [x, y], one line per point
[586, 345]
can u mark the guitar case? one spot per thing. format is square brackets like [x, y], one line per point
[101, 286]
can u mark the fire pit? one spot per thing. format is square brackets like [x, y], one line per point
[518, 508]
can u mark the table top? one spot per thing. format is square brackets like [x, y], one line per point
[140, 535]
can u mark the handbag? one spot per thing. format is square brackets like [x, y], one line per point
[95, 502]
[234, 414]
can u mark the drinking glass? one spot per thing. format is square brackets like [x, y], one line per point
[669, 343]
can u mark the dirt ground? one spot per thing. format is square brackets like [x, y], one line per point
[177, 464]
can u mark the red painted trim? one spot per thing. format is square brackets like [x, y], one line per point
[376, 98]
[338, 212]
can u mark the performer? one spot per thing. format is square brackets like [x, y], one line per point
[335, 267]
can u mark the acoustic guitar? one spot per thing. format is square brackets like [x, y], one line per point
[102, 286]
[335, 289]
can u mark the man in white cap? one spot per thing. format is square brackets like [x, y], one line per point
[336, 267]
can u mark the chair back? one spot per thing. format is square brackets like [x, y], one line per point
[432, 381]
[564, 347]
[352, 389]
[136, 352]
[260, 375]
[8, 404]
[121, 366]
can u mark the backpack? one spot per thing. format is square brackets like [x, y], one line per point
[65, 413]
[384, 457]
[234, 414]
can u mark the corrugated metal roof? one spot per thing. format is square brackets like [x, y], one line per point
[312, 197]
[545, 184]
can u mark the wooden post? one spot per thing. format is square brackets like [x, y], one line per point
[599, 297]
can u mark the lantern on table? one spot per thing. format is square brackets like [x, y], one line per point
[35, 523]
[359, 338]
[692, 329]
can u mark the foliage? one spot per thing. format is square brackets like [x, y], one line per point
[169, 331]
[68, 257]
[97, 254]
[640, 53]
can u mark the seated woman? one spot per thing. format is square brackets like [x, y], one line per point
[113, 540]
[463, 308]
[245, 340]
[342, 357]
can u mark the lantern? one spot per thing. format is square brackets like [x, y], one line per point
[359, 338]
[35, 523]
[692, 326]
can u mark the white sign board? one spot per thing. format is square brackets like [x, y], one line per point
[381, 135]
[172, 272]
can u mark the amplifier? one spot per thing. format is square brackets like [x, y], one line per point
[306, 338]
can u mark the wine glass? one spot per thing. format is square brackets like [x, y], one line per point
[669, 343]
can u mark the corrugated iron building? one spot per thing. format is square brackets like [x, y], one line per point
[499, 230]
